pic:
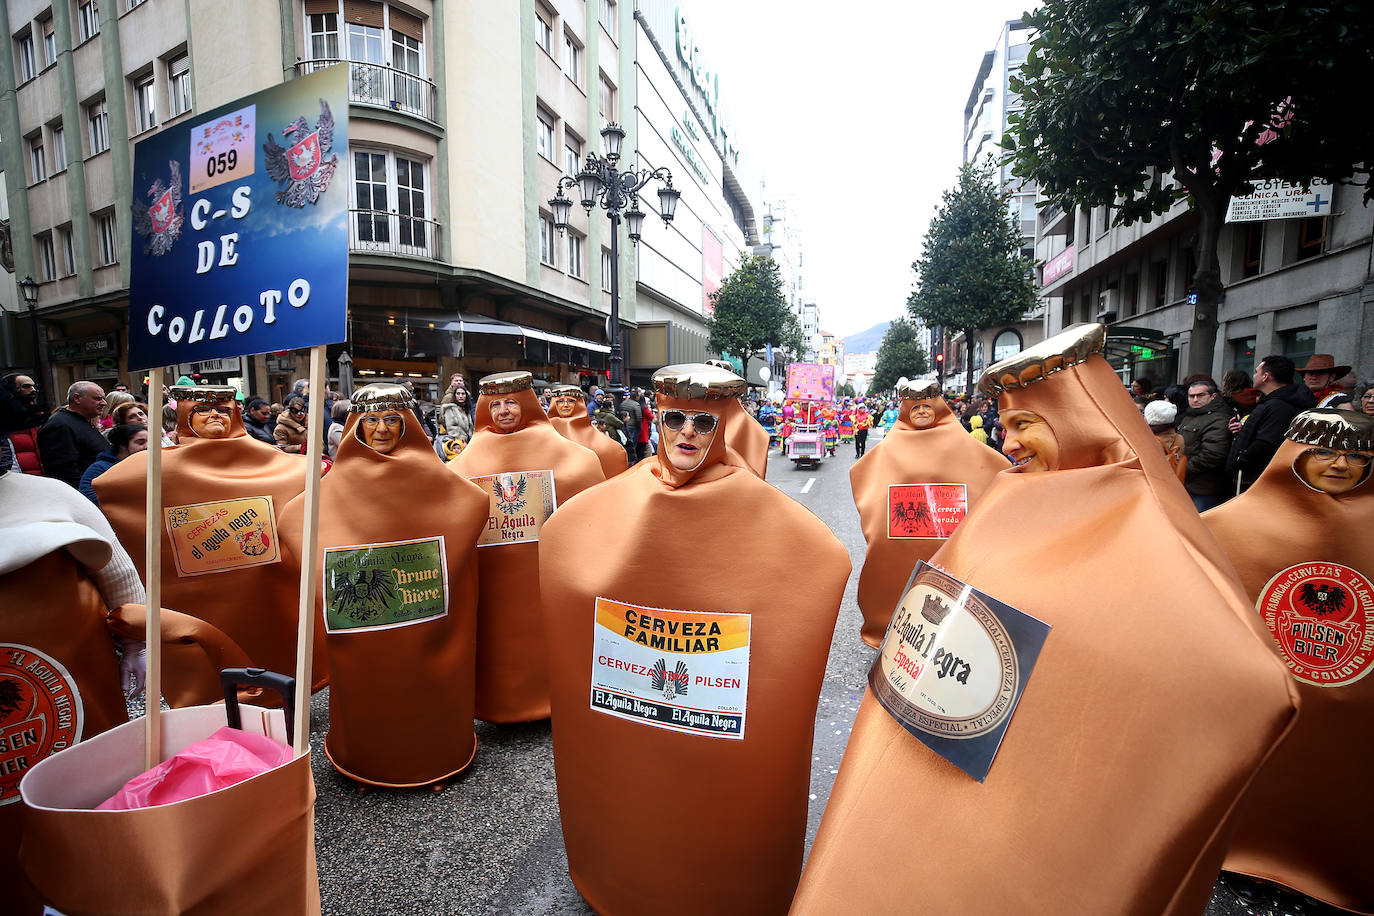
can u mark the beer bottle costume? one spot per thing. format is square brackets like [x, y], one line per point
[397, 540]
[901, 518]
[1305, 557]
[525, 473]
[734, 765]
[578, 428]
[1146, 715]
[221, 559]
[746, 436]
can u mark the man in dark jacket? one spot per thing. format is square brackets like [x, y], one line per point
[1206, 441]
[69, 441]
[258, 422]
[1259, 438]
[631, 413]
[19, 414]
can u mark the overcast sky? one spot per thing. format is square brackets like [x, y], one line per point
[858, 119]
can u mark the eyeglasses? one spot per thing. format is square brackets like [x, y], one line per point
[201, 410]
[392, 422]
[1367, 396]
[1356, 459]
[703, 423]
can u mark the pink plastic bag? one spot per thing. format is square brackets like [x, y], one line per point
[227, 757]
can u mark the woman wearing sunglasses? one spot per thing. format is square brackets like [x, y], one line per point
[1299, 538]
[568, 414]
[688, 661]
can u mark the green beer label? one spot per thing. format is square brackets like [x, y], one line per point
[379, 586]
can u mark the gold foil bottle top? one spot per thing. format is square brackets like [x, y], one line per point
[563, 391]
[505, 383]
[720, 364]
[1326, 427]
[697, 381]
[381, 396]
[1067, 348]
[203, 394]
[919, 390]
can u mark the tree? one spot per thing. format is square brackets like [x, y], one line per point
[751, 312]
[900, 354]
[971, 275]
[1217, 95]
[845, 390]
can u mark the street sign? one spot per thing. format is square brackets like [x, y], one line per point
[1281, 200]
[240, 223]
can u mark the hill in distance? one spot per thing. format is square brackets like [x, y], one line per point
[866, 341]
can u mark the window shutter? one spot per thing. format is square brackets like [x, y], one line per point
[407, 24]
[317, 7]
[363, 12]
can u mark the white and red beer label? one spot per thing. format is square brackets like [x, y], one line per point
[40, 713]
[1322, 617]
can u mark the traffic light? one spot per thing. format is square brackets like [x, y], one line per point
[939, 357]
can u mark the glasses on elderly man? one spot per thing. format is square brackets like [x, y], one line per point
[703, 423]
[201, 410]
[1356, 459]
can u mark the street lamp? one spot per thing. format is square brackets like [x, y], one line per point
[28, 288]
[601, 181]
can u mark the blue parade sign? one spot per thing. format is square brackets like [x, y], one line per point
[240, 220]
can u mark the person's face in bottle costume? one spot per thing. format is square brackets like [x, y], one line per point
[212, 421]
[382, 431]
[1029, 441]
[1335, 471]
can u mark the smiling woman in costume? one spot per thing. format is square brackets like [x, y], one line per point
[912, 491]
[568, 414]
[527, 470]
[399, 597]
[1142, 721]
[699, 669]
[1300, 540]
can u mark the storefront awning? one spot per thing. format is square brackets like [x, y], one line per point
[481, 324]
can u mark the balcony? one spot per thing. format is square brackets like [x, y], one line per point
[381, 86]
[380, 232]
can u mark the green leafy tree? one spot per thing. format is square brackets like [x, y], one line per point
[1138, 106]
[845, 390]
[900, 354]
[971, 275]
[751, 312]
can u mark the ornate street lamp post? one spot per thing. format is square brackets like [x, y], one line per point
[28, 287]
[601, 181]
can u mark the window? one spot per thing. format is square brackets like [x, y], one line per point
[27, 70]
[576, 262]
[145, 104]
[98, 119]
[608, 16]
[572, 58]
[391, 203]
[607, 100]
[47, 264]
[1160, 271]
[106, 232]
[1130, 295]
[572, 153]
[38, 165]
[323, 29]
[59, 148]
[49, 44]
[543, 30]
[370, 196]
[1253, 248]
[547, 243]
[87, 20]
[605, 270]
[413, 225]
[1006, 345]
[179, 78]
[1311, 237]
[64, 239]
[1243, 354]
[406, 34]
[133, 3]
[544, 134]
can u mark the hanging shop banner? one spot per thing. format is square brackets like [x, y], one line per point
[1281, 200]
[219, 536]
[240, 219]
[810, 382]
[381, 586]
[1322, 617]
[686, 671]
[521, 502]
[40, 713]
[925, 510]
[953, 666]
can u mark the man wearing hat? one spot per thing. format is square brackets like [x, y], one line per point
[1320, 374]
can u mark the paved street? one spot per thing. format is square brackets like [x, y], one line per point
[490, 842]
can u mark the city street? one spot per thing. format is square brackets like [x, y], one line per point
[491, 843]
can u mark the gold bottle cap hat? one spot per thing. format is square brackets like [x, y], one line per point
[564, 391]
[1326, 427]
[695, 381]
[381, 396]
[505, 382]
[720, 364]
[919, 390]
[1067, 348]
[205, 394]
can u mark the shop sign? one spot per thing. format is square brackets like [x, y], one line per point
[689, 155]
[712, 268]
[77, 349]
[231, 365]
[1058, 266]
[1281, 200]
[241, 227]
[707, 83]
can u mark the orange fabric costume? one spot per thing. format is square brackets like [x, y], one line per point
[734, 807]
[401, 645]
[512, 680]
[1294, 546]
[939, 454]
[1140, 726]
[578, 428]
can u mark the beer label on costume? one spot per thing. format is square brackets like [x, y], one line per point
[40, 713]
[682, 670]
[521, 502]
[953, 666]
[925, 510]
[382, 586]
[1322, 616]
[221, 536]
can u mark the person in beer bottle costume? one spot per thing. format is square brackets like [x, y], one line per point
[398, 597]
[568, 414]
[527, 470]
[1143, 720]
[1300, 541]
[911, 494]
[699, 669]
[747, 437]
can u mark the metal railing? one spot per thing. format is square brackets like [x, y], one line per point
[382, 86]
[377, 231]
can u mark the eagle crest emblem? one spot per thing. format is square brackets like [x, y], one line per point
[307, 163]
[671, 683]
[363, 594]
[1322, 598]
[160, 222]
[509, 490]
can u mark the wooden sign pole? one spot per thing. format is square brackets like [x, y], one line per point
[310, 555]
[152, 545]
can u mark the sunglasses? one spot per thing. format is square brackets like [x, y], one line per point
[1356, 459]
[224, 410]
[703, 423]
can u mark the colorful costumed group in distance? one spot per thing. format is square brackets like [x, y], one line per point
[1154, 737]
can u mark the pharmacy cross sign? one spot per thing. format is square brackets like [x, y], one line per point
[1316, 203]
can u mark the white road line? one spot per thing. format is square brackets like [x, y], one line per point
[809, 482]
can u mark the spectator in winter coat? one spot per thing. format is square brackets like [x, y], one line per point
[1159, 415]
[1206, 442]
[125, 439]
[631, 413]
[290, 432]
[69, 441]
[20, 418]
[1281, 399]
[258, 421]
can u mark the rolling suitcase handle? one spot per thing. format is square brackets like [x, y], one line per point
[233, 678]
